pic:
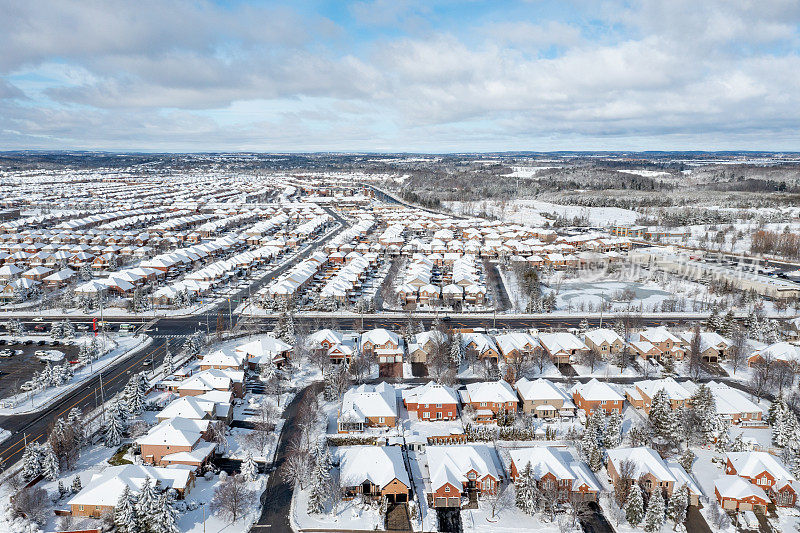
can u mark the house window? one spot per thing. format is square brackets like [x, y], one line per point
[438, 415]
[450, 414]
[438, 406]
[381, 420]
[426, 415]
[483, 404]
[447, 489]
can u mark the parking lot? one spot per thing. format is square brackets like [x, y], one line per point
[16, 370]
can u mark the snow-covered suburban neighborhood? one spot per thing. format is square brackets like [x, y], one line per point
[399, 265]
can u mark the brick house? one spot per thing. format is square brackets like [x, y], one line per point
[595, 395]
[374, 472]
[556, 473]
[469, 470]
[765, 471]
[431, 402]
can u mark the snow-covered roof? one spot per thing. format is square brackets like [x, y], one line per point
[780, 351]
[430, 393]
[380, 336]
[601, 335]
[267, 345]
[377, 464]
[658, 334]
[738, 488]
[675, 391]
[730, 401]
[106, 487]
[752, 464]
[175, 432]
[543, 460]
[595, 390]
[368, 400]
[491, 391]
[451, 464]
[190, 407]
[541, 389]
[561, 341]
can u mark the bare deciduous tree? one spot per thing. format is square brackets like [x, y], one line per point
[232, 498]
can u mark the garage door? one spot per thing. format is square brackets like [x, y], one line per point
[440, 502]
[729, 504]
[745, 506]
[454, 502]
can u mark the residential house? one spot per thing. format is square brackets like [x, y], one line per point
[177, 441]
[604, 341]
[562, 347]
[488, 398]
[101, 493]
[431, 401]
[375, 472]
[468, 470]
[767, 472]
[595, 395]
[652, 472]
[544, 399]
[368, 406]
[558, 475]
[641, 394]
[737, 494]
[213, 379]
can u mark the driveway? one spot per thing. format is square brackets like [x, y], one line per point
[695, 523]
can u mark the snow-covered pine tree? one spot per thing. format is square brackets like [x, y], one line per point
[654, 517]
[147, 502]
[84, 355]
[528, 493]
[134, 399]
[167, 516]
[169, 363]
[31, 461]
[686, 460]
[115, 426]
[125, 513]
[612, 437]
[62, 490]
[320, 478]
[249, 468]
[457, 349]
[76, 484]
[521, 488]
[634, 505]
[50, 467]
[678, 504]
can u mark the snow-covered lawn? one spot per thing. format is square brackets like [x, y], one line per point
[530, 212]
[349, 515]
[117, 348]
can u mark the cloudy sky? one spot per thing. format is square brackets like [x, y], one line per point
[400, 75]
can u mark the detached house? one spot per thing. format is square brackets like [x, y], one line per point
[488, 398]
[562, 347]
[213, 379]
[595, 395]
[605, 341]
[384, 345]
[375, 472]
[480, 345]
[765, 471]
[652, 472]
[556, 473]
[713, 346]
[101, 494]
[367, 406]
[544, 399]
[642, 393]
[515, 345]
[431, 402]
[666, 344]
[461, 470]
[736, 493]
[177, 441]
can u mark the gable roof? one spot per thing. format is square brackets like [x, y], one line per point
[452, 463]
[490, 391]
[377, 464]
[367, 400]
[106, 487]
[541, 389]
[430, 392]
[595, 390]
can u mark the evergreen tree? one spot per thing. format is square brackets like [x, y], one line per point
[84, 355]
[167, 516]
[527, 491]
[457, 349]
[76, 484]
[146, 504]
[125, 513]
[634, 505]
[249, 468]
[169, 363]
[612, 437]
[654, 517]
[62, 490]
[663, 418]
[686, 460]
[31, 461]
[114, 427]
[50, 467]
[678, 504]
[320, 480]
[134, 399]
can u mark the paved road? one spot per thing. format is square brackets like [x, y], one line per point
[36, 426]
[277, 497]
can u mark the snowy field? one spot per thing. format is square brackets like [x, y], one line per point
[530, 212]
